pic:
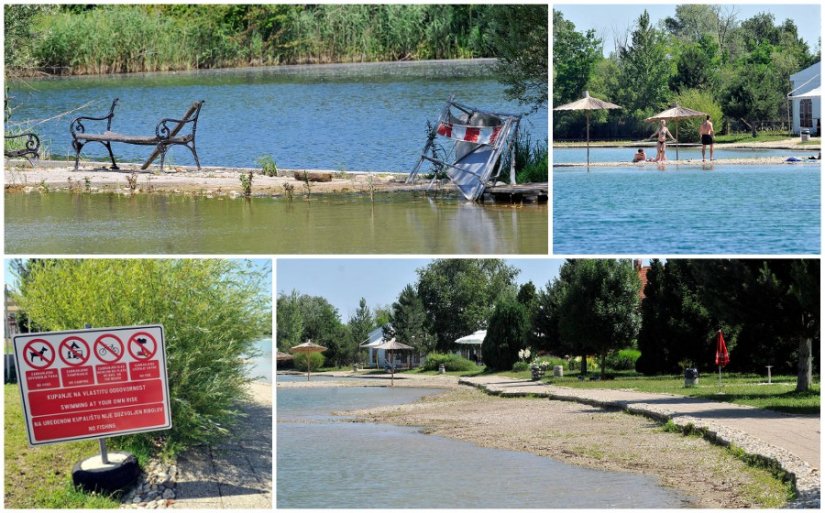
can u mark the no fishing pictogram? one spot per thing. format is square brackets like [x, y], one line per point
[142, 346]
[109, 348]
[38, 354]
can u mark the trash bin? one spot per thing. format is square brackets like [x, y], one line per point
[805, 135]
[441, 369]
[691, 377]
[558, 371]
[10, 372]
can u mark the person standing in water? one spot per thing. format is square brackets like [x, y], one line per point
[661, 135]
[706, 133]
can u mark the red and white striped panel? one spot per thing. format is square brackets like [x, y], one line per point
[474, 134]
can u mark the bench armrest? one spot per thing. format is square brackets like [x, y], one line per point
[169, 127]
[77, 126]
[32, 145]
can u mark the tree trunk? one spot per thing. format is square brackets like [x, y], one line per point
[604, 357]
[803, 378]
[584, 364]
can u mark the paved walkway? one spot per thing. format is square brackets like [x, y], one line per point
[236, 474]
[791, 440]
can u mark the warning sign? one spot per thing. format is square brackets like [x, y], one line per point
[90, 384]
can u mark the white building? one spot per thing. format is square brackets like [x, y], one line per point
[378, 357]
[805, 100]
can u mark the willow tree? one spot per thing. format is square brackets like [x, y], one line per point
[212, 311]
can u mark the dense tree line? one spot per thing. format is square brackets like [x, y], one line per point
[703, 57]
[768, 310]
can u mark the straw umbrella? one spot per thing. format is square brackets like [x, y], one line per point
[676, 113]
[308, 347]
[587, 104]
[392, 346]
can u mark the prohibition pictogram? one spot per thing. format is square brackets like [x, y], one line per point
[109, 348]
[39, 354]
[142, 346]
[74, 351]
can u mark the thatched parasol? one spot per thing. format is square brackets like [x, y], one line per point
[308, 347]
[391, 346]
[587, 104]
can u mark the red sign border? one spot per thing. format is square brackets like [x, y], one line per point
[44, 341]
[162, 359]
[122, 348]
[70, 364]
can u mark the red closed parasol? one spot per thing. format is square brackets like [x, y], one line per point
[722, 356]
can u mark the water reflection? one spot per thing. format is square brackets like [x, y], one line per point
[393, 223]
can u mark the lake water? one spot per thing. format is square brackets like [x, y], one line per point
[394, 223]
[357, 117]
[327, 462]
[261, 365]
[577, 155]
[687, 210]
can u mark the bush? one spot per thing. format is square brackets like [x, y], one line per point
[212, 311]
[521, 366]
[624, 359]
[451, 362]
[317, 361]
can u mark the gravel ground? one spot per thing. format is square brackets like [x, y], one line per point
[592, 437]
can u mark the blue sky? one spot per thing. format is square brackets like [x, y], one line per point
[611, 20]
[343, 282]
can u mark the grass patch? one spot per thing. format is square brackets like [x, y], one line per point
[41, 477]
[736, 388]
[772, 487]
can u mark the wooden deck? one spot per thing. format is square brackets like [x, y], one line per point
[524, 193]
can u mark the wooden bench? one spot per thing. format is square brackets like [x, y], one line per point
[166, 134]
[30, 149]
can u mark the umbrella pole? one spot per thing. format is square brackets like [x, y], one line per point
[587, 115]
[309, 362]
[677, 139]
[720, 378]
[392, 369]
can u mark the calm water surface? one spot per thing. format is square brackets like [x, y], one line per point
[362, 117]
[327, 462]
[685, 209]
[395, 223]
[572, 155]
[261, 365]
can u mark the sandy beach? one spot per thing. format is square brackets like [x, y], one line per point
[577, 434]
[209, 181]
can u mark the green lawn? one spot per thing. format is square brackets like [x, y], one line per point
[41, 477]
[736, 388]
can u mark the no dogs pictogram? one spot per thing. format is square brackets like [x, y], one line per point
[74, 351]
[109, 348]
[38, 354]
[142, 346]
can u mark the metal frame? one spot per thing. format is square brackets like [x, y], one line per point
[31, 149]
[504, 142]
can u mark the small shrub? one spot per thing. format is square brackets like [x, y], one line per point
[268, 165]
[624, 359]
[317, 361]
[521, 366]
[289, 190]
[451, 362]
[87, 183]
[132, 181]
[246, 184]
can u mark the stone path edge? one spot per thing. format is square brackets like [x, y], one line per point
[804, 478]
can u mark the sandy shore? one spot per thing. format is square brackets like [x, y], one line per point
[791, 143]
[209, 181]
[260, 393]
[573, 433]
[761, 161]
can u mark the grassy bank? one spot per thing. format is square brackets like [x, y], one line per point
[743, 389]
[41, 477]
[80, 39]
